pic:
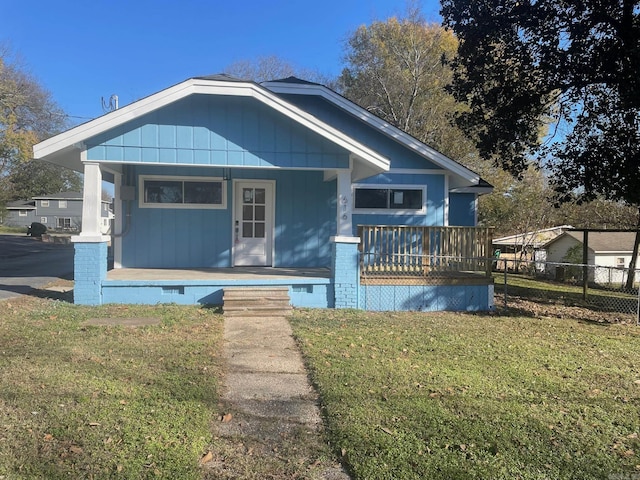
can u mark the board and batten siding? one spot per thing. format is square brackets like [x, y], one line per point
[191, 238]
[217, 130]
[462, 209]
[400, 156]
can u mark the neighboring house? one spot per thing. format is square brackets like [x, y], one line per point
[528, 245]
[20, 213]
[605, 249]
[221, 182]
[58, 212]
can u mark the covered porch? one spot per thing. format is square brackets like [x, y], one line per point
[308, 287]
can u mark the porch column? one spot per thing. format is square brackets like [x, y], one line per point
[345, 271]
[118, 223]
[344, 224]
[90, 259]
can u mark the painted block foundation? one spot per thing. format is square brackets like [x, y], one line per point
[426, 298]
[89, 270]
[346, 273]
[308, 293]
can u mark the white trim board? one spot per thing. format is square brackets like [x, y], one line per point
[385, 127]
[72, 139]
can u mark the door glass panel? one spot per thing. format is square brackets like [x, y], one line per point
[259, 230]
[247, 195]
[260, 212]
[247, 212]
[260, 196]
[247, 229]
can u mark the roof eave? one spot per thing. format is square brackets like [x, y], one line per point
[58, 149]
[386, 128]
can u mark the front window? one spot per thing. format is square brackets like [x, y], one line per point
[396, 199]
[62, 204]
[43, 219]
[44, 203]
[182, 192]
[22, 213]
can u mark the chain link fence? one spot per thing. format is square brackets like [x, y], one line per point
[605, 290]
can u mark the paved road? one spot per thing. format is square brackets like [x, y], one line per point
[27, 264]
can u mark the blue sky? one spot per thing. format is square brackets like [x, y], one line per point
[84, 50]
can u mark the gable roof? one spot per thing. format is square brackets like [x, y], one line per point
[296, 86]
[536, 238]
[60, 196]
[21, 205]
[65, 149]
[604, 242]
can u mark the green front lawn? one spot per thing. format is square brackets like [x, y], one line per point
[405, 395]
[81, 401]
[461, 396]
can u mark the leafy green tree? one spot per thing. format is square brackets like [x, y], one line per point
[517, 205]
[574, 65]
[396, 70]
[27, 115]
[30, 179]
[597, 213]
[521, 65]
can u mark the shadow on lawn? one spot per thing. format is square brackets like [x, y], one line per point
[599, 308]
[608, 301]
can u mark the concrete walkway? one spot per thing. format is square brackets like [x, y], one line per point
[267, 389]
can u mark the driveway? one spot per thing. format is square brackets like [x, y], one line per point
[27, 264]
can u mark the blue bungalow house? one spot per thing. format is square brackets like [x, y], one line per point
[223, 183]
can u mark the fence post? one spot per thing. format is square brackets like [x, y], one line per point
[638, 310]
[505, 283]
[585, 261]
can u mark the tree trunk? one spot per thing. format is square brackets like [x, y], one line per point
[634, 257]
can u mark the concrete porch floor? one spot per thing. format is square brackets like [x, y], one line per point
[235, 273]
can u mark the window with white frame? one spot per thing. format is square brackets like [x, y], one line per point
[182, 192]
[43, 219]
[389, 199]
[64, 223]
[620, 263]
[62, 204]
[22, 213]
[44, 203]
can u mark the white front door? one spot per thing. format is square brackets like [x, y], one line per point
[253, 223]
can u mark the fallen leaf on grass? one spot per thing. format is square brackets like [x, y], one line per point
[206, 458]
[94, 424]
[387, 431]
[226, 418]
[75, 449]
[48, 437]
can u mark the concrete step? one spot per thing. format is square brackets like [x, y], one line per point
[257, 313]
[263, 301]
[249, 292]
[228, 306]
